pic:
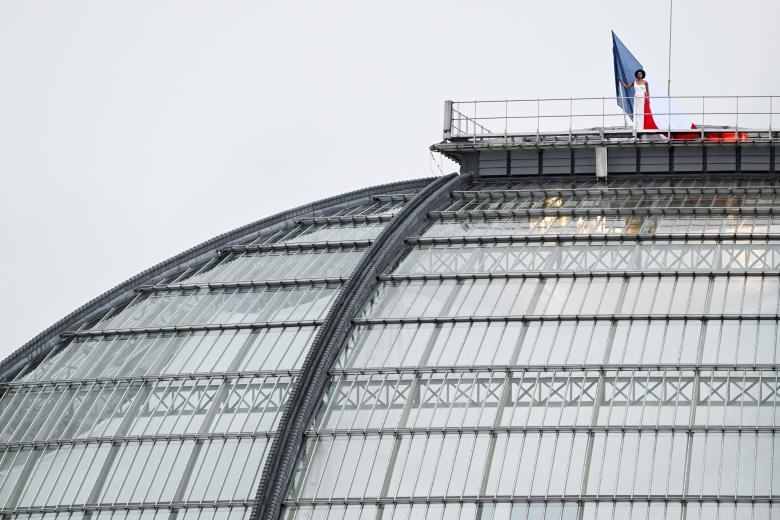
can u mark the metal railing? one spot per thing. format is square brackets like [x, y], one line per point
[573, 119]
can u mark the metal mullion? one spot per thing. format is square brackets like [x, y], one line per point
[30, 392]
[517, 471]
[322, 291]
[383, 424]
[425, 390]
[232, 389]
[99, 490]
[143, 469]
[438, 461]
[441, 287]
[45, 408]
[117, 388]
[510, 398]
[381, 295]
[317, 438]
[229, 265]
[245, 265]
[398, 332]
[491, 378]
[161, 338]
[111, 314]
[563, 401]
[208, 299]
[652, 462]
[238, 303]
[217, 461]
[177, 385]
[278, 305]
[718, 491]
[454, 461]
[41, 480]
[455, 397]
[111, 350]
[175, 298]
[270, 266]
[82, 412]
[276, 384]
[643, 409]
[340, 468]
[182, 386]
[739, 456]
[12, 399]
[315, 260]
[355, 379]
[28, 466]
[81, 452]
[229, 464]
[178, 299]
[382, 385]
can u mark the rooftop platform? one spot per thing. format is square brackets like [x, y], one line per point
[594, 136]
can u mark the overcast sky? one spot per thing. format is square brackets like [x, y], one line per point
[130, 131]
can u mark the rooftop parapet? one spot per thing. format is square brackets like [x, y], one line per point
[483, 135]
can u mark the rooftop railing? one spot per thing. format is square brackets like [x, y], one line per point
[747, 118]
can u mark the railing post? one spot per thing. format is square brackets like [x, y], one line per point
[736, 128]
[571, 114]
[447, 119]
[538, 115]
[603, 117]
[770, 118]
[506, 120]
[702, 118]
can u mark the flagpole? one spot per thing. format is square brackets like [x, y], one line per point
[669, 61]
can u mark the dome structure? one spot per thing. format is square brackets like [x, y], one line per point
[522, 341]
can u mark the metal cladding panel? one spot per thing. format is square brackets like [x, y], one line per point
[721, 158]
[774, 158]
[585, 161]
[492, 163]
[556, 161]
[524, 162]
[621, 160]
[754, 158]
[654, 160]
[688, 159]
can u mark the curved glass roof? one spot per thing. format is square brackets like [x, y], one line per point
[549, 348]
[166, 405]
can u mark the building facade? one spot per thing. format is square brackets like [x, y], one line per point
[520, 341]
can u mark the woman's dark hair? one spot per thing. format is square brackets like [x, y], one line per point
[644, 74]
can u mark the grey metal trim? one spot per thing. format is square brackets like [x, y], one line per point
[557, 212]
[345, 219]
[192, 376]
[456, 430]
[491, 499]
[576, 192]
[294, 246]
[587, 237]
[562, 317]
[40, 345]
[503, 275]
[291, 282]
[396, 197]
[627, 367]
[190, 328]
[128, 506]
[135, 438]
[308, 391]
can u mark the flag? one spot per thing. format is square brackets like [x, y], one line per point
[625, 66]
[663, 114]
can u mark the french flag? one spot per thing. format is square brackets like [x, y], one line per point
[666, 116]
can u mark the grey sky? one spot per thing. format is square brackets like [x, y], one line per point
[130, 131]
